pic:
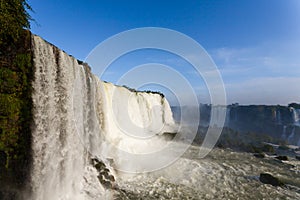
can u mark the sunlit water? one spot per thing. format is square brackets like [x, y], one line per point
[223, 174]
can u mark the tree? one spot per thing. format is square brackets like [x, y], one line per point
[13, 19]
[16, 75]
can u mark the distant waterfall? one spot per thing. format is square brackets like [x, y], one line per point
[227, 120]
[220, 115]
[278, 117]
[283, 136]
[296, 116]
[291, 136]
[75, 121]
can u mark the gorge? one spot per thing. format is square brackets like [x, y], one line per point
[83, 132]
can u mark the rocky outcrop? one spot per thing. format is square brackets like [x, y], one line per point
[259, 155]
[282, 157]
[105, 176]
[267, 178]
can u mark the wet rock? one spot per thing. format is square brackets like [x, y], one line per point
[270, 179]
[104, 182]
[105, 174]
[281, 157]
[105, 177]
[111, 178]
[99, 165]
[297, 157]
[105, 170]
[259, 155]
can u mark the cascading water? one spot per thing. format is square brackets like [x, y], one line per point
[227, 120]
[60, 161]
[218, 113]
[283, 136]
[296, 116]
[278, 117]
[291, 136]
[77, 118]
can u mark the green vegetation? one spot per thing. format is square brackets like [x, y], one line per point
[294, 105]
[16, 75]
[14, 99]
[146, 91]
[14, 17]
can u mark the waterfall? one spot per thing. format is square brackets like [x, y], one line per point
[291, 136]
[219, 114]
[60, 161]
[77, 118]
[227, 120]
[296, 116]
[283, 136]
[278, 117]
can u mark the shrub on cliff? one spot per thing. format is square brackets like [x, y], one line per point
[13, 19]
[16, 75]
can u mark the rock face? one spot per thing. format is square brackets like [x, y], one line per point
[279, 122]
[267, 178]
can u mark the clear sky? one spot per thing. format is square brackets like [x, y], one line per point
[254, 43]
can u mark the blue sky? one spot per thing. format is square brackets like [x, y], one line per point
[254, 43]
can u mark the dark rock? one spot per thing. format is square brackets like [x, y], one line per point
[297, 157]
[79, 62]
[259, 155]
[104, 175]
[105, 170]
[104, 182]
[270, 179]
[99, 166]
[268, 148]
[283, 147]
[169, 136]
[282, 157]
[111, 178]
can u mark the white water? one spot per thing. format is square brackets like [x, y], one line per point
[220, 115]
[77, 117]
[291, 136]
[283, 136]
[296, 116]
[278, 117]
[223, 174]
